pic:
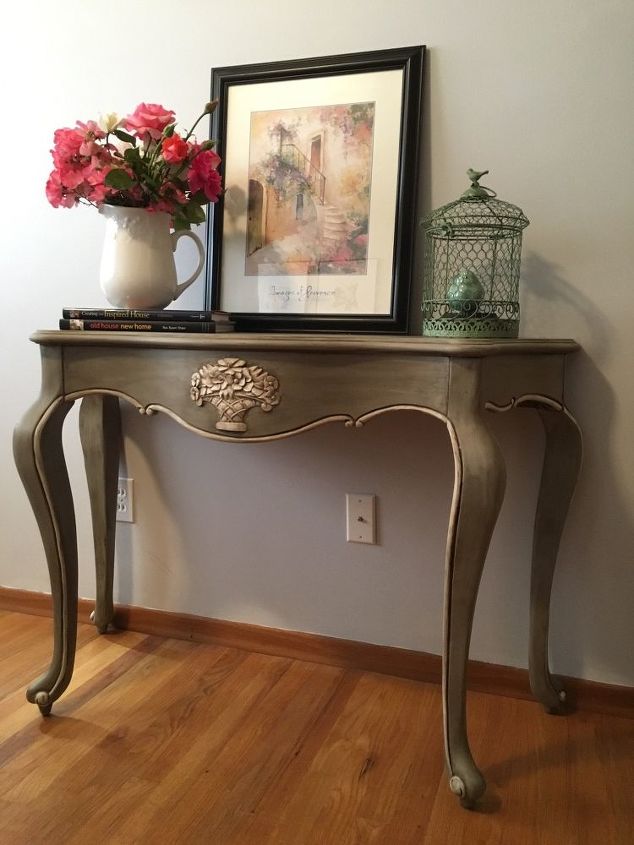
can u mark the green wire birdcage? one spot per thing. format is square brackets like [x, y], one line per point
[473, 250]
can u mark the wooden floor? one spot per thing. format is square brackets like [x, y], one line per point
[164, 741]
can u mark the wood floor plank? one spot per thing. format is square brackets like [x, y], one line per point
[130, 744]
[263, 749]
[354, 786]
[174, 742]
[21, 722]
[81, 741]
[195, 755]
[23, 659]
[546, 783]
[17, 626]
[22, 727]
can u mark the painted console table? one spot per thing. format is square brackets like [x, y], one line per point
[254, 387]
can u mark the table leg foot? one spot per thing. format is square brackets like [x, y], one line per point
[43, 701]
[553, 697]
[102, 627]
[469, 788]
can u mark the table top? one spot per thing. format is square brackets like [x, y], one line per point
[350, 343]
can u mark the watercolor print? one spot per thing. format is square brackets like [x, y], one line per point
[310, 174]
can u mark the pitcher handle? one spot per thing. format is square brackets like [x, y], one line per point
[201, 258]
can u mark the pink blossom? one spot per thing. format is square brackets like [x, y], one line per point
[66, 144]
[203, 175]
[211, 156]
[79, 141]
[174, 194]
[83, 158]
[170, 199]
[95, 189]
[97, 194]
[88, 147]
[94, 174]
[175, 149]
[57, 194]
[71, 175]
[92, 133]
[149, 119]
[161, 205]
[91, 128]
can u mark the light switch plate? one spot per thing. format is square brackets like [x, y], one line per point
[360, 518]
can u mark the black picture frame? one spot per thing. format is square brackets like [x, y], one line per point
[243, 83]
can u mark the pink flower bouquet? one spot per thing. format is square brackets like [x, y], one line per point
[139, 161]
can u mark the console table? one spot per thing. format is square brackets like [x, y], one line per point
[250, 387]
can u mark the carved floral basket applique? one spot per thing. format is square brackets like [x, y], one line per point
[233, 387]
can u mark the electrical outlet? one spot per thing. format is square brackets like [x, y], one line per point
[360, 518]
[125, 500]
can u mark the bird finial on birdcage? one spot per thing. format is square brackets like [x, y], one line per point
[475, 175]
[476, 191]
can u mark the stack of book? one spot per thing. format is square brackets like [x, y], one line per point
[137, 320]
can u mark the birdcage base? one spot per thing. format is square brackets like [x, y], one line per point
[470, 327]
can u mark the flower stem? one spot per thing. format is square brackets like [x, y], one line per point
[209, 109]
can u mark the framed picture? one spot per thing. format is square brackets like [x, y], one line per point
[316, 225]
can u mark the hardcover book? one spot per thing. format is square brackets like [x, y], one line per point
[146, 316]
[130, 325]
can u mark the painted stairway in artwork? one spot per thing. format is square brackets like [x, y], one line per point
[331, 222]
[333, 229]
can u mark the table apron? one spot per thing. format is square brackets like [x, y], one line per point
[312, 387]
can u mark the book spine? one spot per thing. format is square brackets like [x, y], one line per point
[134, 326]
[137, 314]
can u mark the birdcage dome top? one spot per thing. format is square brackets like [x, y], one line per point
[478, 212]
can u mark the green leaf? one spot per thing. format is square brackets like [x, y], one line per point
[180, 222]
[124, 136]
[194, 213]
[118, 179]
[132, 155]
[169, 130]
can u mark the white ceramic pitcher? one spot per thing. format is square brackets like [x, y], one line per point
[137, 264]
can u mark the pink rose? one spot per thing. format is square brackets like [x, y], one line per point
[149, 119]
[203, 175]
[175, 149]
[212, 159]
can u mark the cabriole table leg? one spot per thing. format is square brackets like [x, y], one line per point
[480, 479]
[562, 461]
[39, 457]
[100, 434]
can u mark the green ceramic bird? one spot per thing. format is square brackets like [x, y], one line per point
[474, 175]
